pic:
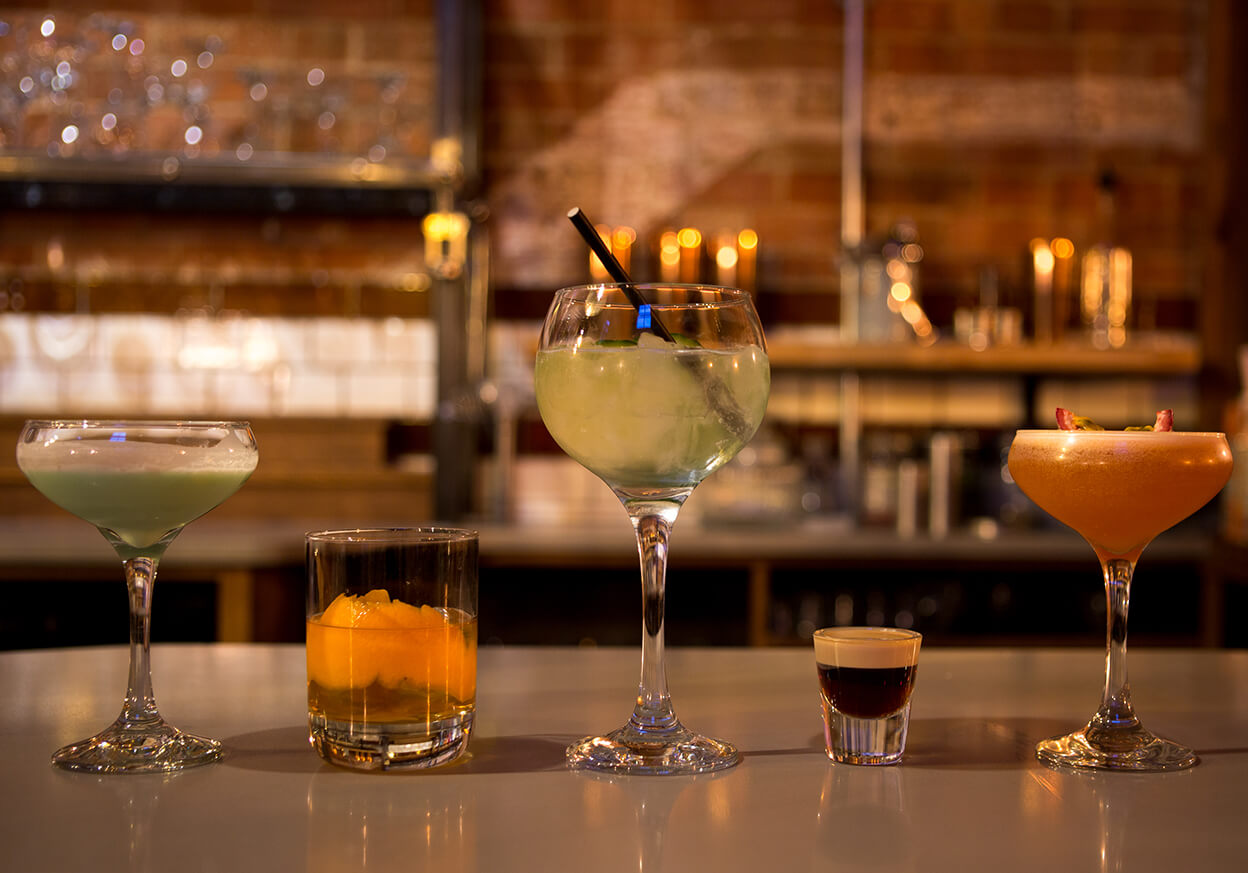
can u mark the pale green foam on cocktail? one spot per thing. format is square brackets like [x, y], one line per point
[138, 490]
[639, 416]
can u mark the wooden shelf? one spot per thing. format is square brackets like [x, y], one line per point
[1171, 356]
[265, 169]
[287, 184]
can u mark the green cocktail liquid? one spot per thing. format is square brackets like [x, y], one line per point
[139, 507]
[640, 417]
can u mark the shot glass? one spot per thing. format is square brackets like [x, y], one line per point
[866, 676]
[391, 646]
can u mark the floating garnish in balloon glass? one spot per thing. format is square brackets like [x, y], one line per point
[652, 387]
[139, 483]
[1118, 490]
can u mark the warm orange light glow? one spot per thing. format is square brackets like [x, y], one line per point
[622, 239]
[1062, 247]
[598, 272]
[1119, 295]
[724, 252]
[1042, 257]
[669, 256]
[446, 242]
[901, 291]
[690, 239]
[1093, 281]
[747, 258]
[623, 236]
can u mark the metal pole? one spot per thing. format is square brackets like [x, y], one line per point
[457, 419]
[852, 233]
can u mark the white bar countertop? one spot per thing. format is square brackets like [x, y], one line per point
[969, 794]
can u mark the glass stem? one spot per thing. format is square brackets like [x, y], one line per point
[140, 705]
[1116, 715]
[653, 525]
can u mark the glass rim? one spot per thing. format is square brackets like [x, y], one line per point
[416, 534]
[868, 635]
[66, 423]
[729, 296]
[1095, 434]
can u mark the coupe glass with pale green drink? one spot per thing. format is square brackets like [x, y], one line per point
[652, 387]
[139, 483]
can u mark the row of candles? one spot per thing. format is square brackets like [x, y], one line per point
[727, 258]
[1104, 287]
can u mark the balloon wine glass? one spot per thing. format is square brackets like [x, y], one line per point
[652, 388]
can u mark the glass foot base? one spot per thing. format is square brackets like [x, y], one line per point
[390, 746]
[142, 747]
[630, 752]
[1141, 751]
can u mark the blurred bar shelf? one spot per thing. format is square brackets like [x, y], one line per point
[1171, 355]
[268, 182]
[263, 168]
[256, 564]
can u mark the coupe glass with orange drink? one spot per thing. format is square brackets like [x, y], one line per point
[1118, 490]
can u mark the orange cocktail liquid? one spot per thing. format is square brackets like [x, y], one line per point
[1119, 489]
[399, 664]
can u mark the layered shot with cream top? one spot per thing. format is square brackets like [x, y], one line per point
[866, 672]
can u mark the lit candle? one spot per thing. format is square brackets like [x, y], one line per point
[725, 253]
[622, 239]
[1119, 304]
[1063, 259]
[690, 239]
[597, 271]
[1042, 262]
[747, 259]
[1094, 295]
[669, 257]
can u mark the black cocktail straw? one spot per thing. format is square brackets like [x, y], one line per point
[614, 268]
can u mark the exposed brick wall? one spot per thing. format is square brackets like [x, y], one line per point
[264, 265]
[988, 122]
